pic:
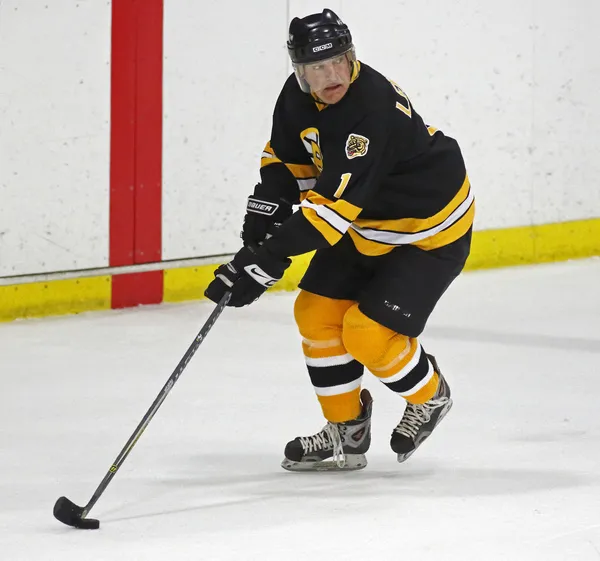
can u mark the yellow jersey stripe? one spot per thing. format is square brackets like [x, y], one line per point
[392, 237]
[451, 234]
[368, 247]
[303, 171]
[343, 208]
[268, 161]
[413, 225]
[355, 71]
[305, 175]
[268, 149]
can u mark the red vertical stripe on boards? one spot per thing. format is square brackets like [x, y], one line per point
[148, 153]
[122, 134]
[134, 289]
[136, 148]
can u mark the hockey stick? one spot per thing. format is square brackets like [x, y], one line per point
[67, 511]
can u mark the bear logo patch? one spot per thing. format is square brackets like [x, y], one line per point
[356, 146]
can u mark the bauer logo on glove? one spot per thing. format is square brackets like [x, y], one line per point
[261, 207]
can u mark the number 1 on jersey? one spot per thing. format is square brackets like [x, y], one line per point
[345, 179]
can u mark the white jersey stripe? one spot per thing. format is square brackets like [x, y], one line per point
[397, 238]
[331, 217]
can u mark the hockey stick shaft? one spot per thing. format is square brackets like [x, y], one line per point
[157, 402]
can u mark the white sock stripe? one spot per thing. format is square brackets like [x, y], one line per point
[407, 369]
[420, 384]
[338, 390]
[329, 360]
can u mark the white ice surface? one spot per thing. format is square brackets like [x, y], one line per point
[512, 473]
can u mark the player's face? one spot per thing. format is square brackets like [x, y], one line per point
[329, 79]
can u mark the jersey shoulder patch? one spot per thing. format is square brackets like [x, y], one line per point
[356, 146]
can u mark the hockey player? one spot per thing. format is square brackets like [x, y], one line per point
[386, 203]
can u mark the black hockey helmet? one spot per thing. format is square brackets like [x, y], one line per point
[317, 37]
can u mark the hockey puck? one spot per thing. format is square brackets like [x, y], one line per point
[88, 524]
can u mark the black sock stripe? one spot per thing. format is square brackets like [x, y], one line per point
[329, 376]
[416, 375]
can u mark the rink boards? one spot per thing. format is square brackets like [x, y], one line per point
[491, 248]
[125, 182]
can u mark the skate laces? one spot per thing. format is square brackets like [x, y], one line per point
[328, 436]
[416, 415]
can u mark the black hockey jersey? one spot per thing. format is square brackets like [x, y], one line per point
[367, 167]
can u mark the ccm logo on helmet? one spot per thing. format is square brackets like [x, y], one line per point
[322, 47]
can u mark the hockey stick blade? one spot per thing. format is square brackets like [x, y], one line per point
[69, 513]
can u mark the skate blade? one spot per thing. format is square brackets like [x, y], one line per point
[403, 457]
[354, 462]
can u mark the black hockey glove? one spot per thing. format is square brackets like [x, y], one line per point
[265, 212]
[247, 276]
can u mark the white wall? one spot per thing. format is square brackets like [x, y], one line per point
[466, 65]
[224, 67]
[515, 82]
[566, 111]
[54, 135]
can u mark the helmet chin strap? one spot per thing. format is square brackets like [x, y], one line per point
[317, 98]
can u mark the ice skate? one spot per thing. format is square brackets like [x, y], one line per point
[337, 447]
[419, 420]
